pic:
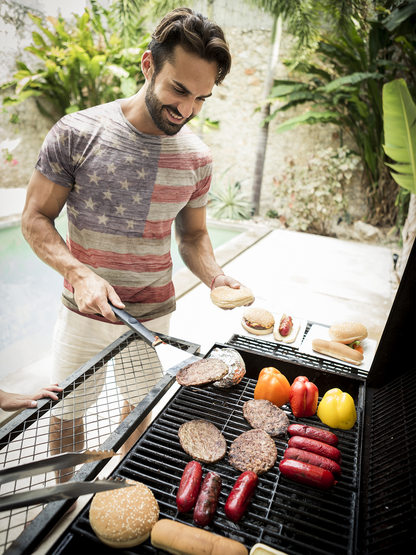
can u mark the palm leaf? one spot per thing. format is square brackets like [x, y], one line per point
[310, 118]
[400, 133]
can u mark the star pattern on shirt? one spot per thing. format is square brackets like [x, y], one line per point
[111, 168]
[120, 210]
[90, 203]
[137, 198]
[129, 159]
[108, 194]
[145, 152]
[83, 132]
[141, 174]
[97, 151]
[77, 188]
[130, 224]
[62, 138]
[73, 211]
[56, 168]
[94, 177]
[125, 184]
[115, 142]
[77, 158]
[103, 219]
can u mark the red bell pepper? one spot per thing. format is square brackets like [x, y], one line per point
[303, 397]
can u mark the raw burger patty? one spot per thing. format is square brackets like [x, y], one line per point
[254, 450]
[202, 441]
[262, 414]
[203, 371]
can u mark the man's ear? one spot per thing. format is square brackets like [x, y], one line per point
[147, 65]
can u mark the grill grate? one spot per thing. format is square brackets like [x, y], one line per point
[391, 498]
[293, 355]
[26, 438]
[283, 514]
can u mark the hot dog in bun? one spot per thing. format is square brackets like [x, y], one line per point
[287, 329]
[258, 321]
[337, 350]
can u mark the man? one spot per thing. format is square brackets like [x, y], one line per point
[127, 170]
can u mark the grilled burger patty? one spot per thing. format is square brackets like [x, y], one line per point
[201, 372]
[254, 450]
[202, 441]
[262, 414]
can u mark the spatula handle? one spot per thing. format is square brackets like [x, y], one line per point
[134, 324]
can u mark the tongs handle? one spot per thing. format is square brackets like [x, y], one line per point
[134, 324]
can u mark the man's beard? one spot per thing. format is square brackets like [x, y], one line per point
[156, 108]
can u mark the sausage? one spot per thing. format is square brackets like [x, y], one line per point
[177, 538]
[207, 501]
[317, 447]
[313, 433]
[307, 474]
[286, 325]
[240, 496]
[189, 487]
[315, 460]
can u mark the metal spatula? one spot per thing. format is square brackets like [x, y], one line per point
[171, 358]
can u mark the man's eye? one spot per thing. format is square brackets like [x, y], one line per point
[179, 91]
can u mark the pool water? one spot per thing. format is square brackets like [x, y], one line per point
[31, 291]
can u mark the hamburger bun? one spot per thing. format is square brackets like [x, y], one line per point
[228, 297]
[337, 350]
[124, 517]
[347, 332]
[257, 321]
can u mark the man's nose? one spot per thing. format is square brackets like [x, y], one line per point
[189, 108]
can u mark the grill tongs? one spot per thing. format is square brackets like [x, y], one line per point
[68, 490]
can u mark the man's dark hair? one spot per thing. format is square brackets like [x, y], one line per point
[196, 34]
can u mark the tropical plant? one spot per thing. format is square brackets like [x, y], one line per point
[228, 201]
[303, 20]
[312, 197]
[400, 146]
[84, 63]
[345, 85]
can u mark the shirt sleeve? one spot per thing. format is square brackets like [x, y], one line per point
[55, 161]
[199, 197]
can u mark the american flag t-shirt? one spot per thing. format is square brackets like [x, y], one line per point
[126, 190]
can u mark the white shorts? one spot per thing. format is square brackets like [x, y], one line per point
[76, 340]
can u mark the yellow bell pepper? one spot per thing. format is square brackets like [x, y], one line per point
[337, 409]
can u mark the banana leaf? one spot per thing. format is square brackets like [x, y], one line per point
[400, 133]
[310, 118]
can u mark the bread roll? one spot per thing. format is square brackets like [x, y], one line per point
[124, 517]
[180, 539]
[337, 350]
[347, 332]
[228, 297]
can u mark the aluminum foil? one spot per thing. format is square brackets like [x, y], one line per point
[236, 366]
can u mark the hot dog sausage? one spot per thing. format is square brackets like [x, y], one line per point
[189, 487]
[317, 447]
[315, 460]
[240, 496]
[286, 325]
[313, 433]
[207, 501]
[306, 474]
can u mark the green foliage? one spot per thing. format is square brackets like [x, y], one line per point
[82, 63]
[344, 86]
[208, 124]
[228, 202]
[312, 198]
[400, 133]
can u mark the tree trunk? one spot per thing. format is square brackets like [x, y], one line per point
[408, 235]
[265, 112]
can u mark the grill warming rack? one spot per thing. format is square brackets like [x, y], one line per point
[25, 438]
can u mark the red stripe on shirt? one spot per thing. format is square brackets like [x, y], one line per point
[143, 295]
[180, 194]
[185, 161]
[116, 261]
[157, 230]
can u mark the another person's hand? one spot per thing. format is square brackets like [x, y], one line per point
[92, 294]
[14, 401]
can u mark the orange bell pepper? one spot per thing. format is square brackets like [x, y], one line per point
[273, 386]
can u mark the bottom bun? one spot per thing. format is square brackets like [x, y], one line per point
[181, 539]
[337, 350]
[255, 331]
[124, 517]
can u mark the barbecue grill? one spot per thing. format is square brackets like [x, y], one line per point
[371, 510]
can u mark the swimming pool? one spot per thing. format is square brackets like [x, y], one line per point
[31, 293]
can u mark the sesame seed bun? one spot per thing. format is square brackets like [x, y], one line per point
[124, 517]
[258, 321]
[228, 297]
[347, 332]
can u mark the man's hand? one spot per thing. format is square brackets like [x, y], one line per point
[13, 401]
[92, 293]
[223, 280]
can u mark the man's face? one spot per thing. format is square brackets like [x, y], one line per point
[177, 92]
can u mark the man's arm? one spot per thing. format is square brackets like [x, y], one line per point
[44, 202]
[196, 249]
